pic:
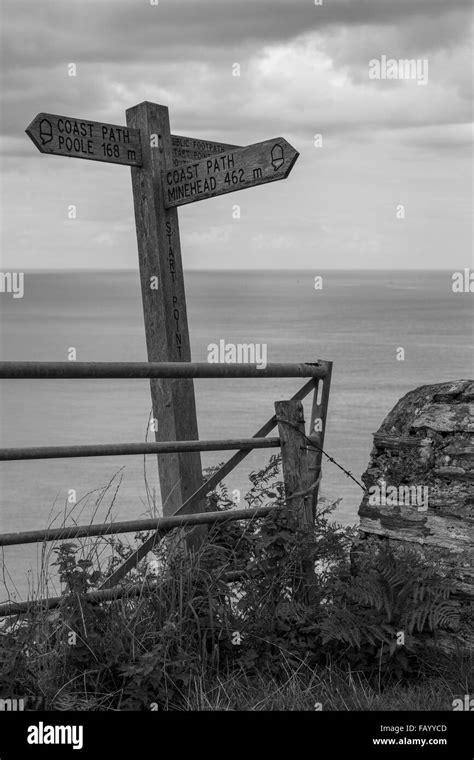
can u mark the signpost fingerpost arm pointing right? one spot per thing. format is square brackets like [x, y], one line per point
[237, 169]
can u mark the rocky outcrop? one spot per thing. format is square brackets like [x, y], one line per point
[420, 479]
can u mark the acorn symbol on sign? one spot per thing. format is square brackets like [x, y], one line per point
[46, 131]
[277, 156]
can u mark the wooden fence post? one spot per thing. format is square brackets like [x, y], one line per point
[296, 476]
[290, 418]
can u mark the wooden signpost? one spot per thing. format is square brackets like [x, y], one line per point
[167, 171]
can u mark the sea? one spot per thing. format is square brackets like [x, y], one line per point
[386, 332]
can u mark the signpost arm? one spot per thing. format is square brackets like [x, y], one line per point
[164, 305]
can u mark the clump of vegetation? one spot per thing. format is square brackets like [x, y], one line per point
[236, 625]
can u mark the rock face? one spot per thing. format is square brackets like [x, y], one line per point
[420, 479]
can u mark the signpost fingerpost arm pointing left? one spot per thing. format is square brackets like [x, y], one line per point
[112, 143]
[82, 138]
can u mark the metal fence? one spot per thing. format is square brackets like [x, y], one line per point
[319, 373]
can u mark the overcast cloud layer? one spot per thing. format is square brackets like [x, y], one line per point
[303, 71]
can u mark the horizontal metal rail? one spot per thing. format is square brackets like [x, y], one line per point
[109, 594]
[102, 595]
[129, 526]
[171, 370]
[129, 449]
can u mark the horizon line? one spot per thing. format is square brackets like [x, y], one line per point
[239, 269]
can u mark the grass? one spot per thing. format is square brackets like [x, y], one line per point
[327, 689]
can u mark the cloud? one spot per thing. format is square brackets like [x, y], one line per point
[304, 71]
[442, 137]
[301, 65]
[121, 31]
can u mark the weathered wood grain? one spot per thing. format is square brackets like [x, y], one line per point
[294, 457]
[83, 138]
[164, 307]
[192, 149]
[239, 169]
[298, 488]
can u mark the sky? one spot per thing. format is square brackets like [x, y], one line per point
[387, 185]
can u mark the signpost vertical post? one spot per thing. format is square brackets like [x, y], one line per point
[164, 305]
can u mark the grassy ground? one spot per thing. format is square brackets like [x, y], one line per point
[327, 689]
